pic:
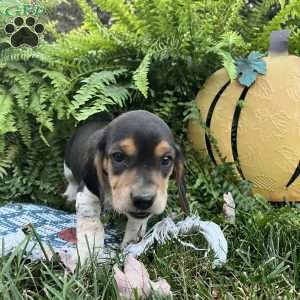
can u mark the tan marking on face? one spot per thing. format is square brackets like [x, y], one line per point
[160, 181]
[105, 164]
[121, 188]
[162, 148]
[128, 146]
[98, 162]
[125, 179]
[162, 191]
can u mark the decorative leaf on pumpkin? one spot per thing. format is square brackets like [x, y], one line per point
[250, 66]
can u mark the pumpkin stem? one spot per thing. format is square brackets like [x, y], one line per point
[279, 43]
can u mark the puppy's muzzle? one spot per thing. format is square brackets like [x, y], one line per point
[143, 201]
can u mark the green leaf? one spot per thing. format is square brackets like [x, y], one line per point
[140, 75]
[7, 122]
[282, 3]
[229, 64]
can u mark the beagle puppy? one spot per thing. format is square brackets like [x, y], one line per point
[124, 164]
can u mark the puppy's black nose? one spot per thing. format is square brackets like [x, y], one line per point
[143, 201]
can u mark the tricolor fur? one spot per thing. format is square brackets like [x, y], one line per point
[126, 164]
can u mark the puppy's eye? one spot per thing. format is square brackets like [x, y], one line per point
[166, 160]
[119, 156]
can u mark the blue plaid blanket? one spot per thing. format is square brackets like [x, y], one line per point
[47, 222]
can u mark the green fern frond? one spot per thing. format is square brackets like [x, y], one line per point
[118, 94]
[78, 43]
[91, 20]
[108, 97]
[90, 88]
[93, 86]
[24, 127]
[21, 89]
[7, 156]
[99, 105]
[7, 122]
[231, 39]
[58, 80]
[4, 166]
[291, 11]
[17, 55]
[39, 107]
[124, 18]
[140, 75]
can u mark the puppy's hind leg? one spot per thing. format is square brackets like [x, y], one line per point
[89, 229]
[72, 187]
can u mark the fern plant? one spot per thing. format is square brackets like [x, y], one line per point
[98, 92]
[154, 55]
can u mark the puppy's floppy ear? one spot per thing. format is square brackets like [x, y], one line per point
[179, 177]
[93, 167]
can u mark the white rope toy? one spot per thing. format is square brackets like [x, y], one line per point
[166, 230]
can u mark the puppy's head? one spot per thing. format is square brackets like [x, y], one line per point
[137, 154]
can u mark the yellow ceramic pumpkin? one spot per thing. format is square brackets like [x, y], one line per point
[263, 135]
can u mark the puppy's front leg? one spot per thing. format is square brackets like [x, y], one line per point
[89, 229]
[135, 230]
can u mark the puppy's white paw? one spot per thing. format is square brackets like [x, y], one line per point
[135, 231]
[131, 240]
[87, 254]
[71, 192]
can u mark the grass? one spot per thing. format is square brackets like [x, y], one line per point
[264, 263]
[263, 260]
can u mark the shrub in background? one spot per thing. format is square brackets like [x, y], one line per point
[152, 54]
